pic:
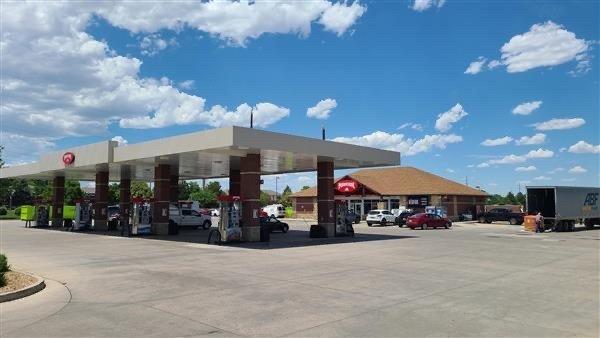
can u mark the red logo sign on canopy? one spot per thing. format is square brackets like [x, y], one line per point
[68, 158]
[346, 186]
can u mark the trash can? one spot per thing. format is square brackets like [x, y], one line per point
[529, 223]
[173, 228]
[265, 233]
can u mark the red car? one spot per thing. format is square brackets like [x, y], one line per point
[425, 221]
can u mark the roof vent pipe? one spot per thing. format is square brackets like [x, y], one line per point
[323, 133]
[251, 120]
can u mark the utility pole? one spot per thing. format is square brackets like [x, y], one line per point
[276, 191]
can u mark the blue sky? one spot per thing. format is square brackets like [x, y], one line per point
[387, 64]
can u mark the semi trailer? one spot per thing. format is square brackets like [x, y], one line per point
[563, 207]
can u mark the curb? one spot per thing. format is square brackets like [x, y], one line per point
[38, 286]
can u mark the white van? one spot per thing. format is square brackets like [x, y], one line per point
[274, 210]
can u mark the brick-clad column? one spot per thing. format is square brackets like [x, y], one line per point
[125, 205]
[160, 208]
[234, 182]
[250, 195]
[58, 200]
[174, 188]
[101, 201]
[325, 197]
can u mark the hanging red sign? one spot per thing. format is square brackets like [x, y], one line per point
[346, 186]
[68, 158]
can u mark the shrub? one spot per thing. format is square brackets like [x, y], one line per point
[4, 267]
[3, 211]
[18, 212]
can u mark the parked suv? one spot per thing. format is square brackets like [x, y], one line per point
[501, 214]
[382, 217]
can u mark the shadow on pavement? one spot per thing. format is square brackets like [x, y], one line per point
[293, 238]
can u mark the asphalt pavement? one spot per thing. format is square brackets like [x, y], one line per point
[472, 280]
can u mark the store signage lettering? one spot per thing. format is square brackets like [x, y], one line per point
[346, 186]
[418, 201]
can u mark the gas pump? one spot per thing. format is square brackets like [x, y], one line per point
[343, 223]
[42, 217]
[141, 217]
[83, 215]
[229, 229]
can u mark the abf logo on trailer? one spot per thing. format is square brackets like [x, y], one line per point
[591, 201]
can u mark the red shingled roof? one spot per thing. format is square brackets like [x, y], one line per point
[404, 181]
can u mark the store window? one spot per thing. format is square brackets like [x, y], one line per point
[370, 205]
[394, 204]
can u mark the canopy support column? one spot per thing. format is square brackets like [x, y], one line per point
[58, 200]
[325, 197]
[160, 208]
[250, 196]
[101, 201]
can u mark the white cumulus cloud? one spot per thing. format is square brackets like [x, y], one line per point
[120, 139]
[445, 120]
[322, 110]
[544, 45]
[58, 78]
[236, 22]
[398, 142]
[578, 170]
[497, 141]
[529, 168]
[423, 5]
[516, 159]
[476, 66]
[583, 147]
[526, 108]
[559, 124]
[542, 178]
[538, 138]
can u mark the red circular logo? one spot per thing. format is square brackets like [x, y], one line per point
[68, 158]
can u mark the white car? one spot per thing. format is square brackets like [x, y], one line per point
[188, 217]
[380, 216]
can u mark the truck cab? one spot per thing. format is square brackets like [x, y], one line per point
[187, 217]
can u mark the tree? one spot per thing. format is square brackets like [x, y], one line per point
[521, 198]
[305, 187]
[215, 188]
[1, 157]
[187, 188]
[265, 199]
[114, 195]
[511, 199]
[73, 192]
[140, 189]
[205, 197]
[285, 199]
[41, 190]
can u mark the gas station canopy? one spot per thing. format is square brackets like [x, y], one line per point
[205, 154]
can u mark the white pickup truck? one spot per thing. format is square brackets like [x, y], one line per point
[188, 217]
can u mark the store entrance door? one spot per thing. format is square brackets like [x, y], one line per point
[358, 208]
